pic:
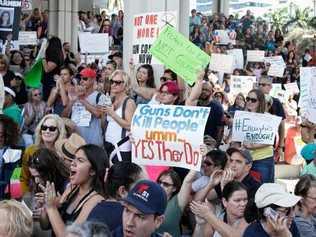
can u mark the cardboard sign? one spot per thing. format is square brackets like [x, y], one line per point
[168, 135]
[221, 63]
[225, 36]
[292, 88]
[274, 60]
[241, 84]
[27, 38]
[238, 58]
[177, 53]
[255, 55]
[255, 128]
[93, 43]
[146, 29]
[10, 11]
[276, 70]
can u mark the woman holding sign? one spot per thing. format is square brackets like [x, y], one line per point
[262, 154]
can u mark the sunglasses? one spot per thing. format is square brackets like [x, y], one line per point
[50, 128]
[85, 78]
[263, 84]
[165, 184]
[112, 82]
[207, 163]
[252, 100]
[38, 94]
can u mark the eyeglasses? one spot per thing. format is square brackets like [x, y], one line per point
[207, 163]
[85, 78]
[252, 100]
[50, 128]
[165, 184]
[112, 82]
[38, 94]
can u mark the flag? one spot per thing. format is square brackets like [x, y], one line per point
[34, 76]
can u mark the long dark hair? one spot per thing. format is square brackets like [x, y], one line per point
[50, 167]
[99, 161]
[261, 99]
[150, 74]
[22, 65]
[10, 130]
[54, 49]
[174, 177]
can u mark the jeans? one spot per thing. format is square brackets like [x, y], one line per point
[266, 168]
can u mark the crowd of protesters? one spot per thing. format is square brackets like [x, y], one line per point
[77, 177]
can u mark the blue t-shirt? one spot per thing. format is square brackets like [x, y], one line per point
[256, 229]
[107, 212]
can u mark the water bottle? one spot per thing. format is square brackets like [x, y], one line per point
[105, 100]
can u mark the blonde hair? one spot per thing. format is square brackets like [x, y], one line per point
[60, 126]
[17, 220]
[125, 78]
[5, 59]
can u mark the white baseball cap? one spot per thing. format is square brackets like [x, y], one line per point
[9, 91]
[272, 193]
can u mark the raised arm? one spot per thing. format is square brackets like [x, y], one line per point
[196, 91]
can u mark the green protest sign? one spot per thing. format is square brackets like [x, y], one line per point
[179, 54]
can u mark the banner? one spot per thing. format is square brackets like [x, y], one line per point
[241, 84]
[27, 38]
[238, 58]
[146, 29]
[177, 53]
[10, 13]
[225, 37]
[255, 55]
[93, 43]
[255, 128]
[221, 63]
[168, 135]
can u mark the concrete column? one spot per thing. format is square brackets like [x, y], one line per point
[68, 21]
[52, 17]
[61, 19]
[225, 7]
[74, 25]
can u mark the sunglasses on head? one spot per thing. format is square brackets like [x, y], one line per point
[50, 128]
[252, 100]
[116, 82]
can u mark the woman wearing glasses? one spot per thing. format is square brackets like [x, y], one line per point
[119, 115]
[49, 130]
[305, 217]
[262, 154]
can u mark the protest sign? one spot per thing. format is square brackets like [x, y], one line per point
[168, 135]
[27, 38]
[27, 5]
[255, 55]
[10, 13]
[1, 94]
[238, 58]
[274, 60]
[255, 128]
[276, 70]
[146, 29]
[225, 36]
[281, 94]
[275, 88]
[221, 63]
[241, 84]
[292, 88]
[177, 53]
[93, 43]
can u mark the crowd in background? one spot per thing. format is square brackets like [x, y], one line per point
[77, 177]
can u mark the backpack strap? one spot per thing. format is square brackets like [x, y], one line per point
[97, 99]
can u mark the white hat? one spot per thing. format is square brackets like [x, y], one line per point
[9, 91]
[272, 193]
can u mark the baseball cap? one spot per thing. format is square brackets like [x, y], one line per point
[273, 193]
[116, 54]
[172, 87]
[244, 152]
[88, 72]
[308, 152]
[10, 91]
[148, 197]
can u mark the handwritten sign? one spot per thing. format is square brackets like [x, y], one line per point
[238, 58]
[255, 55]
[168, 135]
[93, 43]
[177, 53]
[27, 38]
[274, 60]
[241, 84]
[255, 128]
[292, 88]
[146, 29]
[276, 70]
[221, 63]
[225, 36]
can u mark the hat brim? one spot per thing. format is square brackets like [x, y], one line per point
[139, 206]
[288, 200]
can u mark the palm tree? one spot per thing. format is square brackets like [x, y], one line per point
[300, 19]
[279, 17]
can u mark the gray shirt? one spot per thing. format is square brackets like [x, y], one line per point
[306, 226]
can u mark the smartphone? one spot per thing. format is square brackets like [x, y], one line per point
[269, 212]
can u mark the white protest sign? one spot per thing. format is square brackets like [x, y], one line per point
[255, 128]
[168, 135]
[275, 87]
[1, 94]
[241, 84]
[93, 43]
[221, 63]
[292, 88]
[146, 29]
[281, 95]
[27, 38]
[13, 44]
[27, 5]
[276, 70]
[225, 36]
[255, 55]
[238, 58]
[274, 60]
